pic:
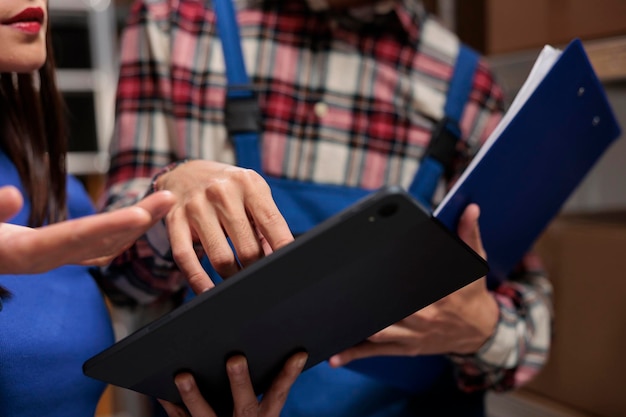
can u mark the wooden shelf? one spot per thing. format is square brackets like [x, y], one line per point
[608, 57]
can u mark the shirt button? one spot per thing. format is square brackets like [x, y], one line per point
[320, 109]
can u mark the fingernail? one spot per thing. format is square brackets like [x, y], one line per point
[334, 361]
[301, 361]
[183, 383]
[162, 211]
[237, 366]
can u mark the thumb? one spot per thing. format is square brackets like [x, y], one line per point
[469, 230]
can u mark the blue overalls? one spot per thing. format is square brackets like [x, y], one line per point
[384, 386]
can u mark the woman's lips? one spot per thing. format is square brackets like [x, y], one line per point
[29, 20]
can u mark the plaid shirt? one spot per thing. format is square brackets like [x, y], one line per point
[343, 102]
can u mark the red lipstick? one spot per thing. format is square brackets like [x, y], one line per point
[28, 20]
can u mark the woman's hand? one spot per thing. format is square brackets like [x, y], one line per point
[217, 201]
[10, 202]
[459, 323]
[245, 400]
[89, 240]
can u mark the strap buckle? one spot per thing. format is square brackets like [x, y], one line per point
[444, 138]
[242, 113]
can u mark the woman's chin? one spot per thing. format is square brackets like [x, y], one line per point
[22, 65]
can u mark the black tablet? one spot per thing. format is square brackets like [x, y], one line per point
[360, 271]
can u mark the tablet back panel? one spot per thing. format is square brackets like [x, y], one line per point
[358, 272]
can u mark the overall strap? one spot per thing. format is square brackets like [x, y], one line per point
[441, 149]
[242, 113]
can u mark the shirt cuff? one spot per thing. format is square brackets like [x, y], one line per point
[501, 349]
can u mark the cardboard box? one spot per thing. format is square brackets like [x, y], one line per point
[500, 26]
[585, 256]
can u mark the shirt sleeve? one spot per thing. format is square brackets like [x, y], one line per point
[519, 346]
[142, 147]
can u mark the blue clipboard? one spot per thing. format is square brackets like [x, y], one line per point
[531, 168]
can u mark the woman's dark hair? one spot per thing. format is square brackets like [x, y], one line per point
[33, 135]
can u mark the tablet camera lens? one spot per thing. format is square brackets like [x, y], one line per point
[387, 210]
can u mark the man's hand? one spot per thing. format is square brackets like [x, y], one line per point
[217, 201]
[245, 400]
[459, 323]
[90, 240]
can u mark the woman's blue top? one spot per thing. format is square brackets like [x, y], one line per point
[53, 322]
